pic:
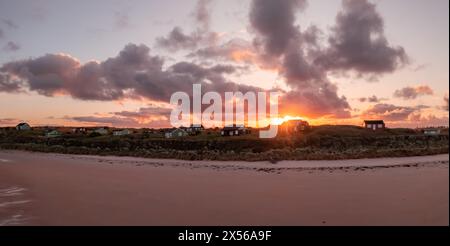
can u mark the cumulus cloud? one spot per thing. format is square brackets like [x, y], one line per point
[279, 40]
[236, 50]
[9, 85]
[274, 23]
[411, 93]
[371, 99]
[358, 42]
[177, 39]
[133, 73]
[11, 46]
[47, 75]
[201, 13]
[390, 112]
[314, 102]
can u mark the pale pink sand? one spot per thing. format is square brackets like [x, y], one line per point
[89, 190]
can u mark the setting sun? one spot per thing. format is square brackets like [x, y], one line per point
[280, 121]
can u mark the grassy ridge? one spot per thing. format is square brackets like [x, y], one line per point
[324, 142]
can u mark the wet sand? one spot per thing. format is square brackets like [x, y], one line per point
[54, 189]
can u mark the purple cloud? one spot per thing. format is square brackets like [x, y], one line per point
[358, 42]
[411, 93]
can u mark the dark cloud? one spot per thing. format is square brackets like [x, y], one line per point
[7, 84]
[274, 22]
[134, 73]
[312, 94]
[11, 46]
[202, 15]
[198, 73]
[372, 99]
[389, 112]
[314, 102]
[1, 34]
[57, 73]
[47, 75]
[177, 39]
[410, 93]
[358, 42]
[237, 50]
[279, 40]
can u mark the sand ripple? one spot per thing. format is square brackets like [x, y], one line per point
[12, 206]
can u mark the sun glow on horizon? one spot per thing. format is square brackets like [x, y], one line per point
[280, 121]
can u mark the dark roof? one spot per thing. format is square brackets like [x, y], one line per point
[374, 121]
[23, 124]
[232, 128]
[196, 126]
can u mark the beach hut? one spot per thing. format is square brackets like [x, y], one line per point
[294, 126]
[123, 132]
[101, 131]
[374, 124]
[194, 129]
[23, 127]
[431, 131]
[234, 131]
[53, 134]
[177, 133]
[79, 130]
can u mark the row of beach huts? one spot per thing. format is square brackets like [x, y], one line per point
[288, 127]
[180, 132]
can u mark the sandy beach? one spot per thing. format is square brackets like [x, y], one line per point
[55, 189]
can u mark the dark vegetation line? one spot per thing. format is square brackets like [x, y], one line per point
[320, 143]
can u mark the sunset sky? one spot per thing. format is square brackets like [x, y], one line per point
[116, 63]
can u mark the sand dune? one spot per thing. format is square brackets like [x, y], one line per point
[55, 189]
